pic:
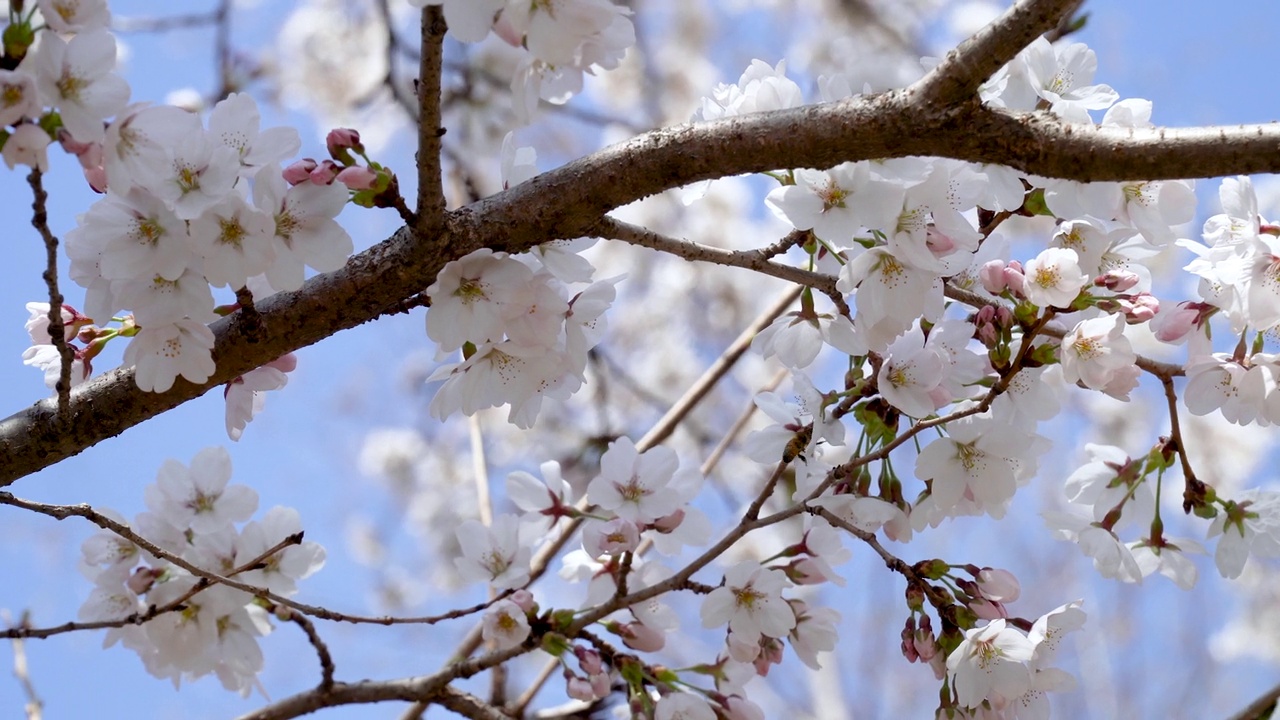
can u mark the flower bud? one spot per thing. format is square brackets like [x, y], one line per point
[991, 274]
[325, 173]
[641, 637]
[357, 177]
[670, 522]
[1117, 280]
[1015, 280]
[299, 172]
[1173, 325]
[998, 585]
[340, 141]
[589, 660]
[580, 689]
[522, 598]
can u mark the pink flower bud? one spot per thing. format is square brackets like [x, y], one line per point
[1140, 308]
[1015, 280]
[770, 654]
[992, 276]
[589, 660]
[522, 598]
[1004, 317]
[299, 172]
[142, 579]
[1117, 280]
[1174, 325]
[580, 689]
[998, 585]
[340, 140]
[987, 335]
[357, 177]
[670, 522]
[908, 645]
[639, 636]
[987, 610]
[600, 684]
[97, 178]
[325, 173]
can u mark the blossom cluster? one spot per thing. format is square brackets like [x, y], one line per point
[564, 38]
[523, 332]
[192, 513]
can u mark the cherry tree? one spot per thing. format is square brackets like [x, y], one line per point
[652, 436]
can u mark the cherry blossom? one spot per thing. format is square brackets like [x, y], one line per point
[306, 233]
[633, 484]
[138, 236]
[234, 124]
[468, 297]
[246, 395]
[990, 660]
[161, 353]
[76, 78]
[505, 625]
[1054, 278]
[1249, 524]
[494, 554]
[1060, 76]
[198, 497]
[750, 601]
[280, 572]
[27, 146]
[18, 97]
[1111, 557]
[1097, 353]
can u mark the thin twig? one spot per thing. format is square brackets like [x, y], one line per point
[34, 707]
[759, 260]
[327, 668]
[61, 512]
[57, 331]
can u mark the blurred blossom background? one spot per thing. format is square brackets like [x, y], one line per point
[382, 485]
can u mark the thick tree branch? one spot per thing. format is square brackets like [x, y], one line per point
[568, 201]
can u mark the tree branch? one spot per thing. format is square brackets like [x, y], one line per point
[568, 201]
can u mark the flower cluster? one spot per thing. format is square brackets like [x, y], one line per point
[192, 514]
[187, 208]
[523, 335]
